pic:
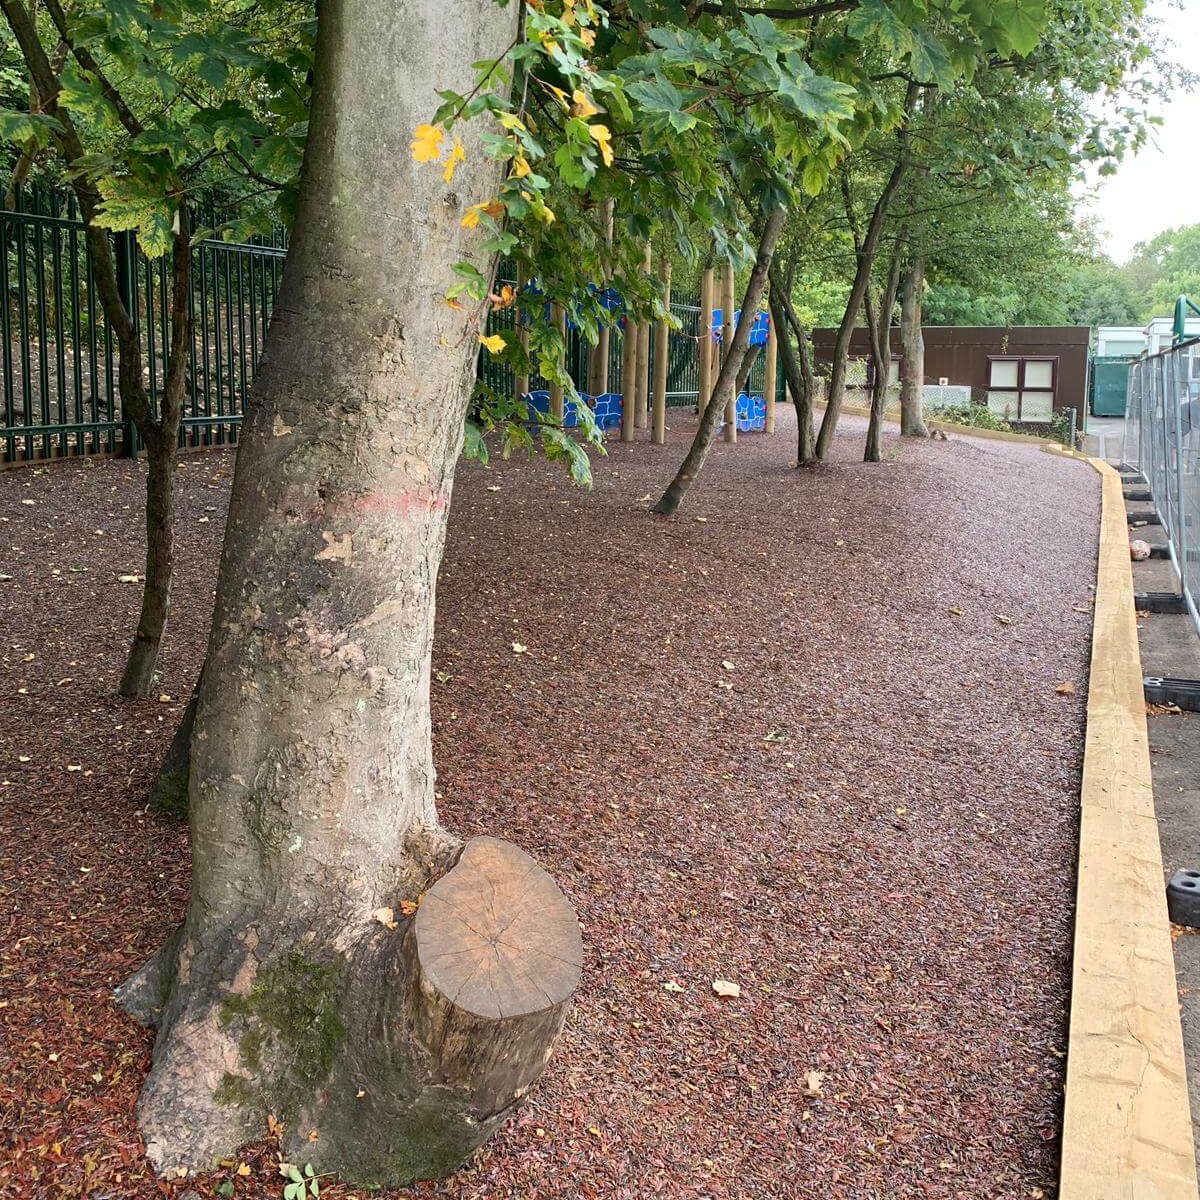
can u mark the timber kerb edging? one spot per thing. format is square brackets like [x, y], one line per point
[1127, 1130]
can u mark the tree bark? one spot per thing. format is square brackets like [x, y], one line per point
[160, 433]
[301, 983]
[726, 384]
[912, 353]
[880, 323]
[598, 356]
[162, 444]
[864, 261]
[797, 368]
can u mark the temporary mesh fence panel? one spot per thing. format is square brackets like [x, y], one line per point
[1162, 441]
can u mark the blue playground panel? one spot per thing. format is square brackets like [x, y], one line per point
[606, 409]
[751, 413]
[758, 331]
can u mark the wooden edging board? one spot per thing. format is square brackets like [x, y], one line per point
[1127, 1129]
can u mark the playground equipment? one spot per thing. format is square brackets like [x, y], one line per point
[1179, 324]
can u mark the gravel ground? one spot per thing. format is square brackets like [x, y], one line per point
[805, 737]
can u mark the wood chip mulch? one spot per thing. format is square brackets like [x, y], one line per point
[807, 738]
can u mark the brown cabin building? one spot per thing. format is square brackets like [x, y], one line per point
[1027, 373]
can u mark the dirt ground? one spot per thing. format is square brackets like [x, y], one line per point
[868, 821]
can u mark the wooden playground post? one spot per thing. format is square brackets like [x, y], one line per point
[559, 316]
[628, 374]
[598, 359]
[662, 336]
[521, 382]
[705, 343]
[769, 380]
[643, 360]
[727, 303]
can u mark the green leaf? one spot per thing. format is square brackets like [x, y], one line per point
[22, 128]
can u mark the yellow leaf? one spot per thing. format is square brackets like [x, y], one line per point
[427, 143]
[243, 1169]
[603, 138]
[813, 1083]
[588, 37]
[493, 343]
[510, 120]
[457, 155]
[723, 987]
[583, 106]
[547, 214]
[471, 216]
[520, 167]
[559, 95]
[1066, 689]
[386, 917]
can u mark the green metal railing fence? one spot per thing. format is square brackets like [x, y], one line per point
[60, 362]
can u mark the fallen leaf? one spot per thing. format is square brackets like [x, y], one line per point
[243, 1169]
[672, 986]
[814, 1083]
[517, 648]
[1004, 620]
[955, 612]
[1066, 689]
[727, 664]
[386, 917]
[723, 987]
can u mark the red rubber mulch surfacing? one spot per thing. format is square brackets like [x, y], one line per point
[869, 823]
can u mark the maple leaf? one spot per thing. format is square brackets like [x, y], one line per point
[814, 1083]
[723, 987]
[427, 143]
[494, 343]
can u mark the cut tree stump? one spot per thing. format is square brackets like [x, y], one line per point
[472, 1000]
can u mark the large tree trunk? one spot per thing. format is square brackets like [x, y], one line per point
[300, 985]
[912, 354]
[725, 389]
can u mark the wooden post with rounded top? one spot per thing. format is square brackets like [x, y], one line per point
[628, 377]
[704, 344]
[727, 303]
[662, 335]
[598, 359]
[559, 317]
[521, 382]
[642, 410]
[772, 365]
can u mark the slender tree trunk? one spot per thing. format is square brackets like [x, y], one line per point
[158, 433]
[388, 1044]
[138, 677]
[880, 322]
[797, 368]
[162, 441]
[598, 356]
[864, 261]
[912, 354]
[726, 384]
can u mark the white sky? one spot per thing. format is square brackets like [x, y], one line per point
[1160, 187]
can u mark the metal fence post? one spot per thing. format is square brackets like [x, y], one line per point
[125, 255]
